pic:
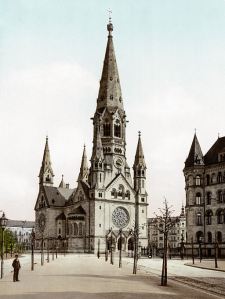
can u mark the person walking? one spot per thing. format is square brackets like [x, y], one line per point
[16, 267]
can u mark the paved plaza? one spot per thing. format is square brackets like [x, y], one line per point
[84, 277]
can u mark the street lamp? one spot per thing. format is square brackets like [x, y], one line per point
[200, 248]
[3, 223]
[32, 249]
[182, 247]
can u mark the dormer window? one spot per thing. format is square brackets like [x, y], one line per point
[106, 130]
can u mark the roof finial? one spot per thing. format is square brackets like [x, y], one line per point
[139, 134]
[110, 25]
[47, 138]
[218, 135]
[195, 131]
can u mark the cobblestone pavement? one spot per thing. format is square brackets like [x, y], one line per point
[86, 277]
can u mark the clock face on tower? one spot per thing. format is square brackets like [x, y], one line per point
[118, 163]
[41, 222]
[120, 217]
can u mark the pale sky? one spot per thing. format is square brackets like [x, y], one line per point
[170, 55]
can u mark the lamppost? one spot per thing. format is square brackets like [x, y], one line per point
[120, 248]
[3, 223]
[200, 248]
[182, 247]
[32, 249]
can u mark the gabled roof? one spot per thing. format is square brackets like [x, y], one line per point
[124, 179]
[61, 217]
[195, 156]
[56, 197]
[211, 156]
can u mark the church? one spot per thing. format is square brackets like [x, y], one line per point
[101, 210]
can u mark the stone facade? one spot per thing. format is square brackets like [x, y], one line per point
[205, 195]
[106, 199]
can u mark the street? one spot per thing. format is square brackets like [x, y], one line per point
[85, 276]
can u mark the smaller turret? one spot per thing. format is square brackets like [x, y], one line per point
[62, 183]
[195, 156]
[97, 163]
[139, 168]
[46, 174]
[83, 175]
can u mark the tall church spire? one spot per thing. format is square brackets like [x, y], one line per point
[110, 91]
[195, 156]
[83, 175]
[46, 173]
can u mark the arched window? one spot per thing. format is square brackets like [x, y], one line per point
[114, 193]
[220, 196]
[208, 217]
[80, 229]
[117, 129]
[219, 237]
[208, 198]
[75, 229]
[219, 214]
[199, 218]
[213, 178]
[121, 191]
[199, 236]
[198, 198]
[198, 180]
[209, 234]
[71, 228]
[106, 130]
[59, 231]
[127, 194]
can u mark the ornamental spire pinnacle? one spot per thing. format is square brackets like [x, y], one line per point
[195, 156]
[139, 157]
[46, 173]
[83, 175]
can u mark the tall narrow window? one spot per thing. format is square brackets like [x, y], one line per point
[198, 180]
[80, 229]
[220, 196]
[106, 130]
[117, 129]
[199, 218]
[208, 198]
[198, 198]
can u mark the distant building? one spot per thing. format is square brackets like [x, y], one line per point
[103, 201]
[175, 236]
[205, 195]
[22, 230]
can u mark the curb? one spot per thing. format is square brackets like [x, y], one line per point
[201, 267]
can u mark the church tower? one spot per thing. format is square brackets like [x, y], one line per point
[46, 174]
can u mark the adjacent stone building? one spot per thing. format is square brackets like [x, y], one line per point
[205, 195]
[22, 231]
[175, 236]
[106, 198]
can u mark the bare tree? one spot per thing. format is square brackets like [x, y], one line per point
[165, 222]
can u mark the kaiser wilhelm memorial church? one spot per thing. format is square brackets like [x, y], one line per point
[103, 206]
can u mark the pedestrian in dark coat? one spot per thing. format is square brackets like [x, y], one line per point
[16, 267]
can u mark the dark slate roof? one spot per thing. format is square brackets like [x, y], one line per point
[195, 156]
[61, 217]
[211, 156]
[79, 210]
[20, 223]
[57, 196]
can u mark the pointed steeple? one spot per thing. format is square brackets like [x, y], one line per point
[62, 183]
[139, 157]
[83, 175]
[97, 152]
[195, 156]
[110, 94]
[182, 214]
[46, 173]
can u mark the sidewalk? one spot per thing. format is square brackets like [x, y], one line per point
[208, 264]
[86, 277]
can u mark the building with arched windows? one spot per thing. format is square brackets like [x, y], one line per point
[102, 207]
[205, 196]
